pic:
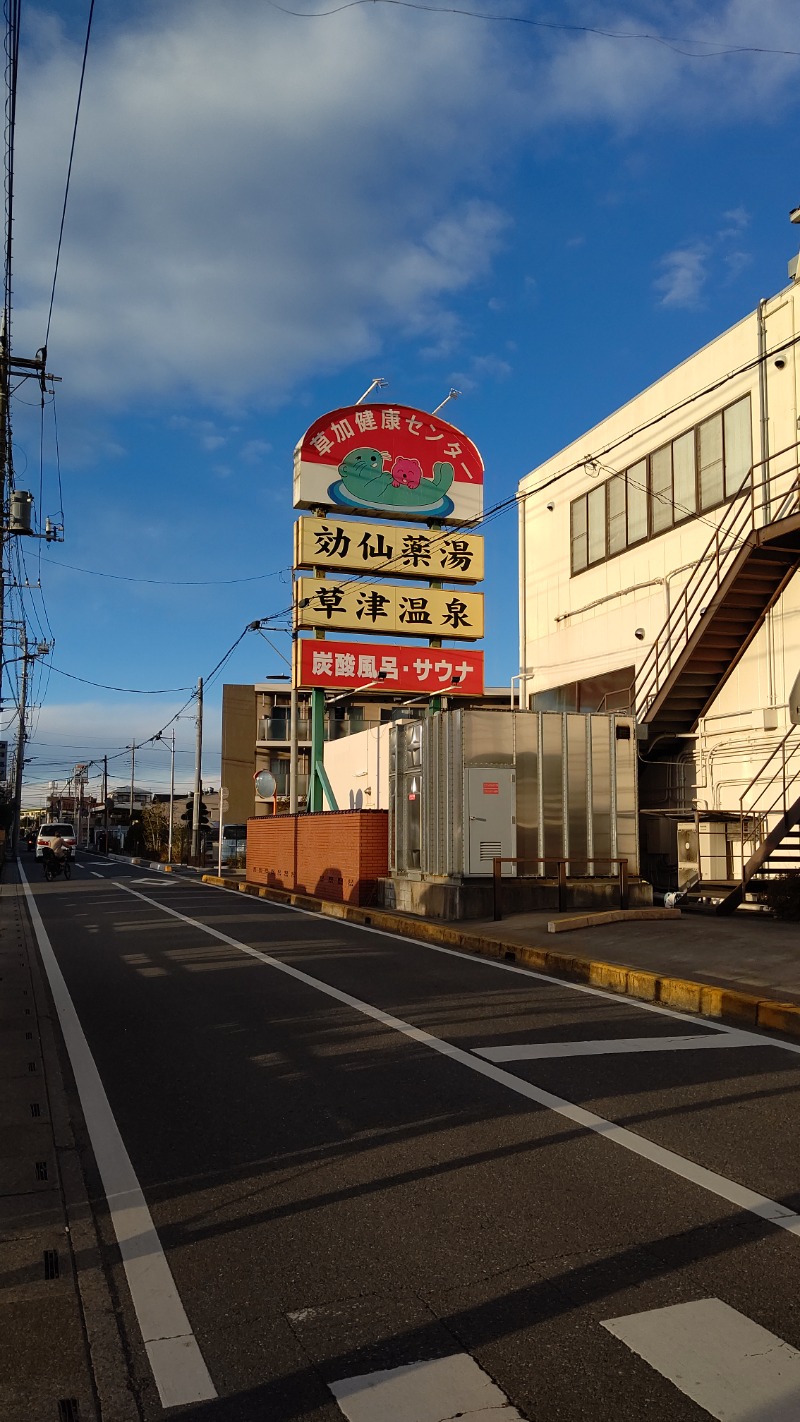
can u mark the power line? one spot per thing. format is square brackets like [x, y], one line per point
[69, 172]
[166, 582]
[669, 42]
[130, 690]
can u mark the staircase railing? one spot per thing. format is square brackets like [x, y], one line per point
[773, 788]
[769, 493]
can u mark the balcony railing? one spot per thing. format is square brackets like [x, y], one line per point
[276, 728]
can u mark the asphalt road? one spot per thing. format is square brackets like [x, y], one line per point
[394, 1183]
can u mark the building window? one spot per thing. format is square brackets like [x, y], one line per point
[695, 472]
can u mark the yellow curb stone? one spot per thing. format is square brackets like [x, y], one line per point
[678, 993]
[726, 1002]
[642, 985]
[608, 975]
[780, 1017]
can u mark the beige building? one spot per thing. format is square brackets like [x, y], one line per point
[658, 554]
[256, 736]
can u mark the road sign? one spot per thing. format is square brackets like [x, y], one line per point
[266, 784]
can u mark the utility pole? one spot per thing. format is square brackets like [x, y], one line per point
[171, 798]
[42, 650]
[20, 762]
[198, 779]
[130, 798]
[105, 803]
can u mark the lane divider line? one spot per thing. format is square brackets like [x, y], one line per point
[729, 1190]
[532, 972]
[539, 1051]
[710, 1000]
[179, 1370]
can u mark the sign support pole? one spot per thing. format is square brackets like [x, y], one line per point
[317, 749]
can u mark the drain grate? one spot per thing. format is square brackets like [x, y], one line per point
[51, 1269]
[28, 1036]
[36, 1109]
[31, 1066]
[68, 1410]
[41, 1170]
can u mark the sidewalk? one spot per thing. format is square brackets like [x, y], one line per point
[59, 1342]
[748, 952]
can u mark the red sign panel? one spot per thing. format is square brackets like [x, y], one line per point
[351, 666]
[491, 787]
[392, 460]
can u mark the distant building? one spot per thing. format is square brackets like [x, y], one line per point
[256, 736]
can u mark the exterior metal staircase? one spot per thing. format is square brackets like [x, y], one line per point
[769, 814]
[750, 558]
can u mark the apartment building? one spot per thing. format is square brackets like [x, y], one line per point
[658, 554]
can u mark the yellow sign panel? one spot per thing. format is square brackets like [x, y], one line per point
[380, 609]
[388, 552]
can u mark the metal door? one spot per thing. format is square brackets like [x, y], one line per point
[491, 808]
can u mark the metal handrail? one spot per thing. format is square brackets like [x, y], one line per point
[778, 783]
[738, 521]
[499, 860]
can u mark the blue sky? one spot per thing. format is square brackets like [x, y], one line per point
[268, 210]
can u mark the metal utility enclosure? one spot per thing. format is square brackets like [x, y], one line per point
[469, 785]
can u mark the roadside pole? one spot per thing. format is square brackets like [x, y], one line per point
[171, 798]
[105, 804]
[198, 783]
[20, 762]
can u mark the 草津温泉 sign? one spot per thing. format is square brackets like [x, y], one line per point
[352, 665]
[388, 552]
[383, 608]
[390, 460]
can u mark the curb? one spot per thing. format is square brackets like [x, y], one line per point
[145, 863]
[596, 920]
[682, 994]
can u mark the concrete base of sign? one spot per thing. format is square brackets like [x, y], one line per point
[432, 896]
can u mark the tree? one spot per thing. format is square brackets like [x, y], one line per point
[155, 828]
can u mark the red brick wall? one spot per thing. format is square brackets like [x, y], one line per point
[335, 855]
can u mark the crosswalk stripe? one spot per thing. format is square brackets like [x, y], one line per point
[730, 1366]
[435, 1390]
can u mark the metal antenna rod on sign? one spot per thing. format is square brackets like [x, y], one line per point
[453, 395]
[378, 383]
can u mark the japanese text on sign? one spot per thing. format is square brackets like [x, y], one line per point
[388, 552]
[383, 608]
[352, 665]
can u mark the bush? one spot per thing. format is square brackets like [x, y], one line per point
[782, 896]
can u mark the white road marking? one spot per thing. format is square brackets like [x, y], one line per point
[153, 883]
[178, 1368]
[739, 1195]
[532, 974]
[433, 1391]
[535, 1051]
[733, 1368]
[95, 874]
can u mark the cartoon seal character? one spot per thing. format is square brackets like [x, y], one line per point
[364, 479]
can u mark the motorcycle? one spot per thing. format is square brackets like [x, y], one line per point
[54, 866]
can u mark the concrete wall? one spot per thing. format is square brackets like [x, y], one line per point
[334, 856]
[358, 769]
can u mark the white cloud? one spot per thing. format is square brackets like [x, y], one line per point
[683, 275]
[251, 200]
[260, 200]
